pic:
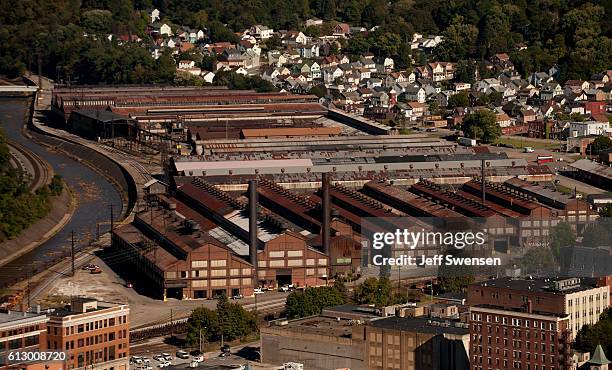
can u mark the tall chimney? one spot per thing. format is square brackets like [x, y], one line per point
[253, 240]
[326, 231]
[484, 191]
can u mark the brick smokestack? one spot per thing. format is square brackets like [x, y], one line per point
[326, 230]
[253, 240]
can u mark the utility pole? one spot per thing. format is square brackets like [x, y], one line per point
[171, 325]
[112, 220]
[72, 250]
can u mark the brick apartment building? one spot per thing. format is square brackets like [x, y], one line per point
[21, 332]
[508, 339]
[92, 334]
[582, 300]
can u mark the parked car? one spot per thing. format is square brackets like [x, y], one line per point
[159, 358]
[258, 291]
[194, 364]
[167, 356]
[90, 266]
[136, 360]
[198, 358]
[182, 354]
[237, 296]
[226, 348]
[284, 288]
[223, 354]
[96, 271]
[163, 364]
[432, 130]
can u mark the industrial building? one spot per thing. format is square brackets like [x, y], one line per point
[21, 332]
[343, 337]
[593, 173]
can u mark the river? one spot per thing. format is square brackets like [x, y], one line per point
[93, 192]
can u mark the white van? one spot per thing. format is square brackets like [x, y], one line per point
[528, 149]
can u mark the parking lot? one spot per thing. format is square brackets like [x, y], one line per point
[239, 356]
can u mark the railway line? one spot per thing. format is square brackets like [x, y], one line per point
[28, 162]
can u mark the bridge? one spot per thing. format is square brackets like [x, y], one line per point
[17, 90]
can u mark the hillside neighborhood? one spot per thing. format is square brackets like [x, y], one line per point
[431, 93]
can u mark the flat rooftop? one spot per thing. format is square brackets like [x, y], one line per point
[9, 317]
[544, 285]
[320, 325]
[420, 325]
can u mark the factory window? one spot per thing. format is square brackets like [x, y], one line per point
[322, 261]
[294, 253]
[234, 272]
[198, 283]
[310, 262]
[218, 263]
[261, 263]
[246, 281]
[280, 263]
[199, 264]
[222, 272]
[234, 282]
[246, 271]
[170, 274]
[277, 254]
[218, 282]
[294, 263]
[183, 274]
[310, 271]
[322, 271]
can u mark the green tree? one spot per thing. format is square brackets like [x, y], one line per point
[203, 324]
[312, 301]
[606, 211]
[590, 336]
[458, 100]
[377, 292]
[318, 90]
[465, 71]
[601, 143]
[562, 235]
[234, 321]
[481, 125]
[455, 278]
[97, 21]
[459, 41]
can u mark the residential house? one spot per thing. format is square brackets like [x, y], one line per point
[246, 45]
[314, 22]
[349, 98]
[295, 38]
[275, 58]
[155, 51]
[388, 64]
[153, 15]
[442, 98]
[461, 86]
[315, 70]
[526, 116]
[342, 30]
[208, 76]
[230, 58]
[503, 120]
[330, 74]
[549, 90]
[251, 59]
[587, 128]
[486, 84]
[575, 86]
[308, 51]
[261, 32]
[368, 63]
[380, 99]
[374, 82]
[415, 93]
[441, 71]
[502, 61]
[184, 64]
[415, 110]
[538, 78]
[395, 77]
[161, 29]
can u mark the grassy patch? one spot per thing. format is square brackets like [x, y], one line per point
[522, 143]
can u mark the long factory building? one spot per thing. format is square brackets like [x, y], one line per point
[195, 241]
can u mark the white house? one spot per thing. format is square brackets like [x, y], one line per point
[486, 84]
[309, 51]
[164, 29]
[261, 32]
[330, 74]
[208, 76]
[184, 64]
[314, 22]
[388, 64]
[578, 129]
[315, 70]
[153, 15]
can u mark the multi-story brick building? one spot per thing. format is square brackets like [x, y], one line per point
[514, 339]
[581, 299]
[21, 332]
[91, 333]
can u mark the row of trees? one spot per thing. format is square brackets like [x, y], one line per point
[590, 336]
[20, 208]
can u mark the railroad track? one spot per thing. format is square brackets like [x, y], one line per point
[35, 166]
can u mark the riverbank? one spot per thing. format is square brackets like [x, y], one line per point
[62, 210]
